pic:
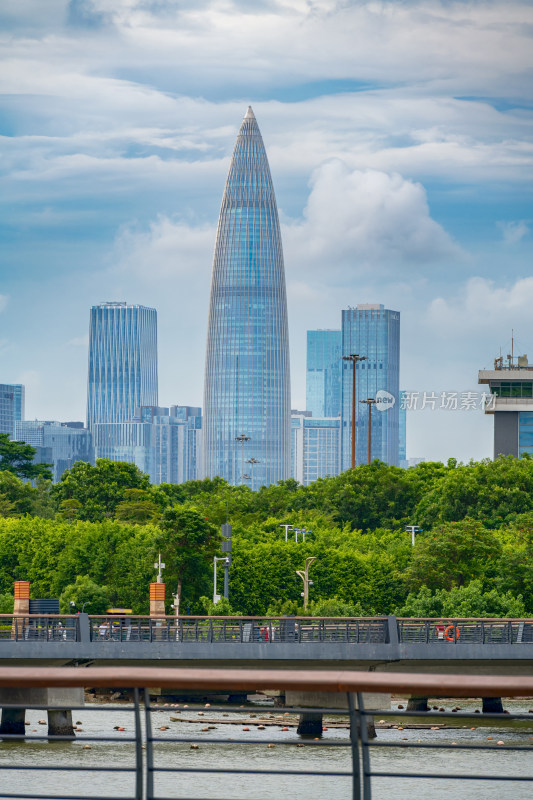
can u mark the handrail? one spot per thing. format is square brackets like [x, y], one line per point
[183, 618]
[251, 679]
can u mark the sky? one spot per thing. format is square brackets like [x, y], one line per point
[400, 141]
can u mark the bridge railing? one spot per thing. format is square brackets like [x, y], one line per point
[465, 631]
[39, 627]
[145, 760]
[239, 629]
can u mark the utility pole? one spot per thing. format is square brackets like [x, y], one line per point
[354, 358]
[305, 577]
[370, 401]
[413, 529]
[159, 566]
[243, 438]
[251, 461]
[287, 529]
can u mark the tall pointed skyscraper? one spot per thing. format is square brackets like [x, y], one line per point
[247, 380]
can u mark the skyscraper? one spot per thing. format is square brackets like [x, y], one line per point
[247, 382]
[11, 407]
[323, 376]
[372, 331]
[122, 362]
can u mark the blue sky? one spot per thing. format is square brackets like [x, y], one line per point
[400, 142]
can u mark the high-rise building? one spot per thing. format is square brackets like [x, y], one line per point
[59, 444]
[402, 421]
[324, 370]
[164, 443]
[11, 407]
[315, 447]
[372, 331]
[122, 362]
[511, 403]
[247, 381]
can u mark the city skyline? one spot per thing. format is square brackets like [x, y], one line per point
[400, 136]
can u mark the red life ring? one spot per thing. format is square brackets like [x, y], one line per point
[447, 633]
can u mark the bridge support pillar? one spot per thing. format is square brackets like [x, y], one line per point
[310, 724]
[13, 720]
[492, 705]
[60, 722]
[417, 704]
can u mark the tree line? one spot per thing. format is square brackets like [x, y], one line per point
[94, 536]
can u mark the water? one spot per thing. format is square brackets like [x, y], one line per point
[119, 754]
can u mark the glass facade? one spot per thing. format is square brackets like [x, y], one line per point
[11, 407]
[60, 444]
[402, 414]
[315, 448]
[324, 370]
[372, 331]
[525, 432]
[247, 381]
[122, 362]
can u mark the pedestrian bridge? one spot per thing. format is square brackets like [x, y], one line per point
[478, 646]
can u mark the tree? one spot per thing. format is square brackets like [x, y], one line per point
[453, 554]
[96, 598]
[462, 601]
[17, 458]
[188, 543]
[17, 497]
[137, 507]
[99, 489]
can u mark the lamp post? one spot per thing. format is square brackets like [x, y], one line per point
[243, 438]
[354, 358]
[251, 461]
[216, 559]
[305, 577]
[370, 401]
[159, 566]
[287, 529]
[413, 530]
[71, 605]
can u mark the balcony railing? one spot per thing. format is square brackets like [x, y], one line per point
[149, 756]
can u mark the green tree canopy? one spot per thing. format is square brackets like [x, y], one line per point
[99, 489]
[17, 458]
[462, 601]
[97, 598]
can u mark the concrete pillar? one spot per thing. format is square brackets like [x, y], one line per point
[492, 705]
[21, 608]
[417, 704]
[13, 720]
[310, 724]
[371, 700]
[238, 698]
[60, 722]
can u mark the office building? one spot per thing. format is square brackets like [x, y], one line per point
[372, 331]
[59, 444]
[122, 362]
[323, 375]
[511, 404]
[165, 443]
[247, 382]
[402, 422]
[11, 407]
[315, 447]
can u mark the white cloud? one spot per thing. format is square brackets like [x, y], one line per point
[356, 218]
[514, 232]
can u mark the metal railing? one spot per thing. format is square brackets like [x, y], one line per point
[465, 631]
[265, 630]
[145, 757]
[240, 629]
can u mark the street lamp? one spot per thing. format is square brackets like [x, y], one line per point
[243, 439]
[369, 402]
[159, 566]
[305, 577]
[87, 603]
[71, 605]
[354, 358]
[287, 529]
[216, 559]
[251, 461]
[413, 529]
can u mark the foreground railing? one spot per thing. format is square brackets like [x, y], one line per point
[146, 759]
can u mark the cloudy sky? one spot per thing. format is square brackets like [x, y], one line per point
[400, 142]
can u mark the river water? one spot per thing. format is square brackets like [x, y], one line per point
[212, 752]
